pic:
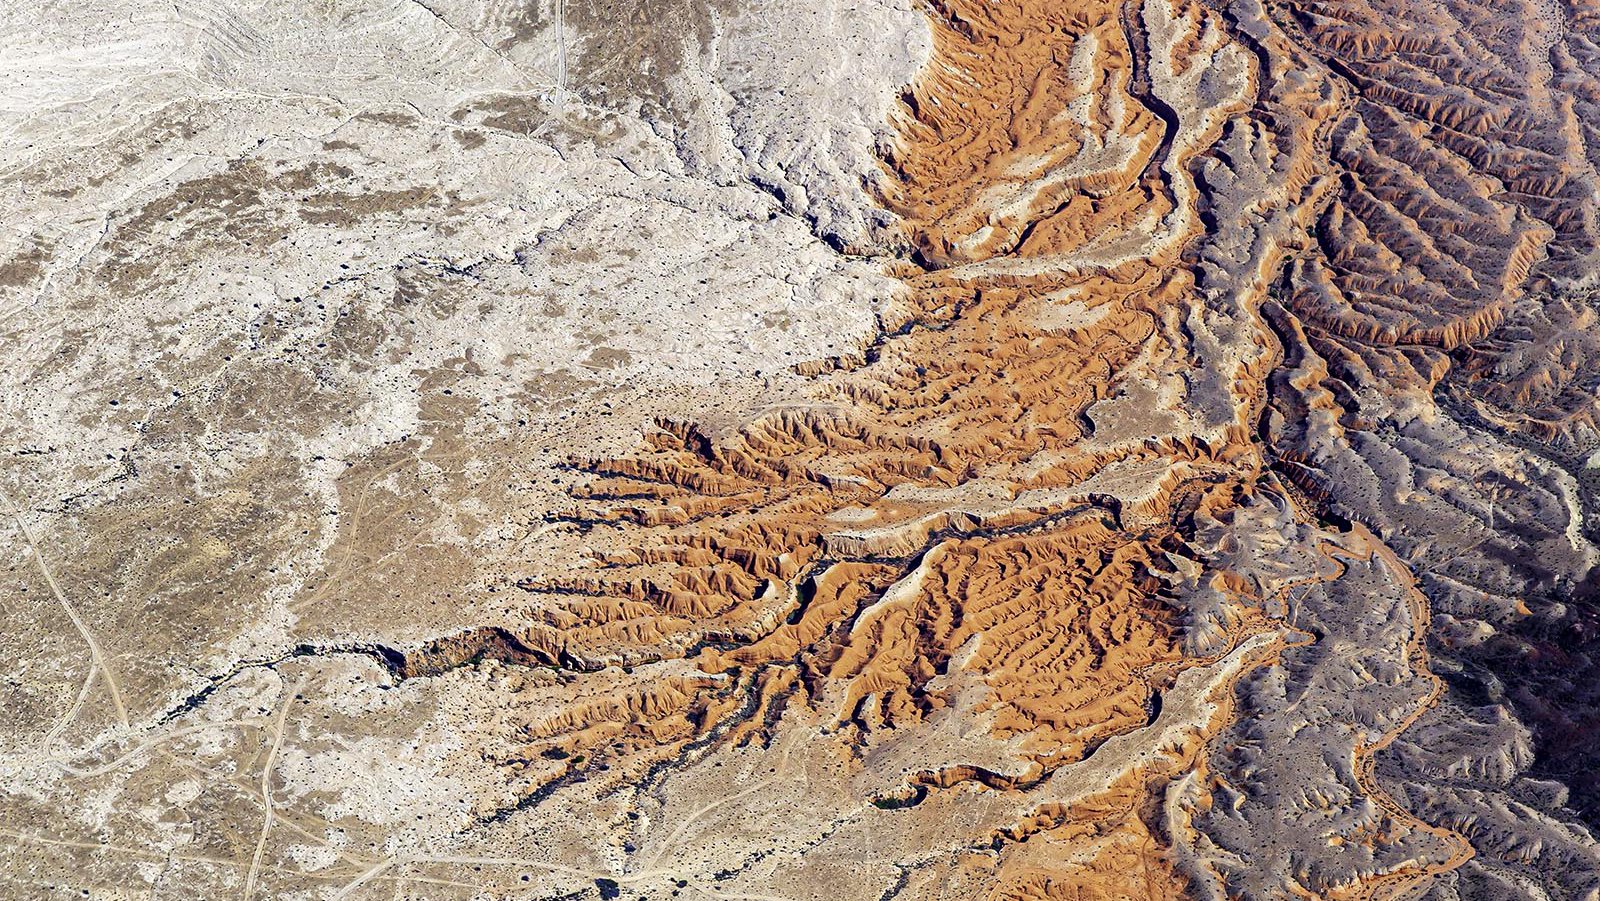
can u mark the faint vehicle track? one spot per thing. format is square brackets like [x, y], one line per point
[96, 654]
[266, 787]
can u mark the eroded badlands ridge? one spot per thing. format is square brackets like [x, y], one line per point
[1107, 450]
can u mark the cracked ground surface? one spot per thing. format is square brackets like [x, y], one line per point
[474, 449]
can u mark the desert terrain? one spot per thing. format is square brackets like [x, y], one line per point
[861, 450]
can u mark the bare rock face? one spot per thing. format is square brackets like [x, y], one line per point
[705, 448]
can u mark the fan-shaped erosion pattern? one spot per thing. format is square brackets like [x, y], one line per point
[1009, 450]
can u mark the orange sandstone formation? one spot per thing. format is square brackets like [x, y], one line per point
[1009, 484]
[1145, 245]
[1209, 517]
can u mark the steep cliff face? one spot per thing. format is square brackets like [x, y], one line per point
[1101, 450]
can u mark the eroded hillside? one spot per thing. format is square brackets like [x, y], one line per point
[1008, 450]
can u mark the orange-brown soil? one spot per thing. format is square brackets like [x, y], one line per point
[1007, 482]
[1209, 515]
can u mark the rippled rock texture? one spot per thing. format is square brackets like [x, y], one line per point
[851, 450]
